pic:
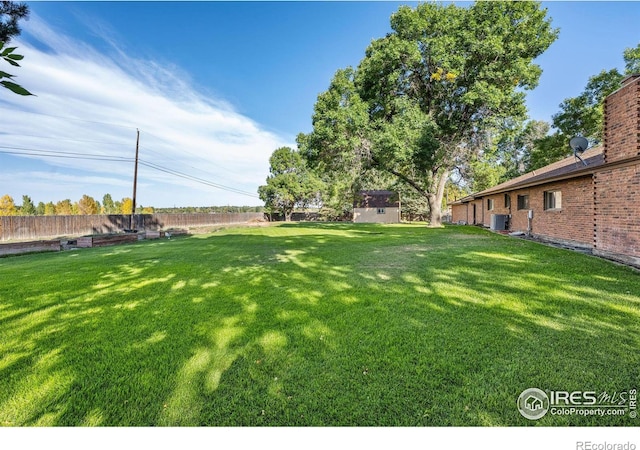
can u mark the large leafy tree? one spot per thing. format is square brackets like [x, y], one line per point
[27, 208]
[517, 150]
[289, 184]
[508, 154]
[631, 58]
[49, 209]
[424, 97]
[345, 173]
[10, 14]
[125, 206]
[337, 148]
[64, 208]
[87, 205]
[7, 206]
[108, 204]
[582, 115]
[6, 79]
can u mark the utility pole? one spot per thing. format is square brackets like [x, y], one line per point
[135, 184]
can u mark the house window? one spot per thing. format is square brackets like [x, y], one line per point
[523, 202]
[552, 200]
[381, 211]
[507, 201]
[489, 204]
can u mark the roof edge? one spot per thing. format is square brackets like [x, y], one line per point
[577, 174]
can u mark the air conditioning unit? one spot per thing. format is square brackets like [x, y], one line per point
[499, 222]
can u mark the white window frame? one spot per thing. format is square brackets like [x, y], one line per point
[552, 200]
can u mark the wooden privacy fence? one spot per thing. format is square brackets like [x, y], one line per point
[39, 227]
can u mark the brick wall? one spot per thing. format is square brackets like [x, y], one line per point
[480, 211]
[617, 211]
[29, 247]
[573, 221]
[459, 213]
[465, 212]
[519, 218]
[617, 190]
[622, 122]
[498, 208]
[600, 211]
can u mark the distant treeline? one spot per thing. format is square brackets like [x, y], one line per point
[209, 209]
[87, 205]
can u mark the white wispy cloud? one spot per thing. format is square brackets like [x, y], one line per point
[88, 102]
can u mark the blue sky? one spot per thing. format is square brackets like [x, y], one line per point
[215, 87]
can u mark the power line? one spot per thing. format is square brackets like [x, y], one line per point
[188, 176]
[77, 155]
[196, 179]
[60, 154]
[144, 147]
[37, 152]
[169, 158]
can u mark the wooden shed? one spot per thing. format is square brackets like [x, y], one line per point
[376, 207]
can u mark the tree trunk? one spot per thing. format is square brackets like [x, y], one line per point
[435, 213]
[435, 196]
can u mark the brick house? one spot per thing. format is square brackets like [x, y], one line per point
[594, 206]
[376, 207]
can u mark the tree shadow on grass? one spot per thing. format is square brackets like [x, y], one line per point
[312, 325]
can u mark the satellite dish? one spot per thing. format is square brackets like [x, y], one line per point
[579, 144]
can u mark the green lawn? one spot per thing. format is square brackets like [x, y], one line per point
[312, 324]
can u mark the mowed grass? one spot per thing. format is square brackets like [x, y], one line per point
[312, 325]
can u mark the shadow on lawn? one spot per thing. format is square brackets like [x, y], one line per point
[316, 324]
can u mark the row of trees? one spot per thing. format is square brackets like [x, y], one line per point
[86, 205]
[436, 110]
[209, 209]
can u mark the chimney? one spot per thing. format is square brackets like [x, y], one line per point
[622, 121]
